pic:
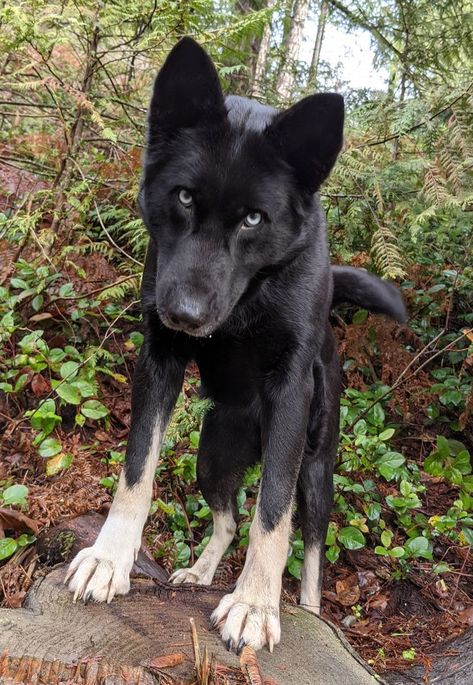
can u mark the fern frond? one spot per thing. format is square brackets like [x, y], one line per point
[386, 254]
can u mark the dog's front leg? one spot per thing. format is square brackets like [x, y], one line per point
[102, 571]
[250, 615]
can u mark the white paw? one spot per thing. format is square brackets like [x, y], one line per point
[189, 575]
[243, 624]
[97, 575]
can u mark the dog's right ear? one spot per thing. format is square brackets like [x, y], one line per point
[186, 91]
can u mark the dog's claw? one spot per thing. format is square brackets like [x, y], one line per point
[270, 645]
[229, 645]
[87, 597]
[240, 646]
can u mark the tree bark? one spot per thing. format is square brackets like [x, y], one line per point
[285, 81]
[314, 65]
[74, 137]
[262, 59]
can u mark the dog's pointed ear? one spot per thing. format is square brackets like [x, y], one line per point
[186, 90]
[309, 136]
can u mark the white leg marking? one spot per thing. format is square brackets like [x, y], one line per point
[204, 569]
[250, 615]
[102, 571]
[311, 580]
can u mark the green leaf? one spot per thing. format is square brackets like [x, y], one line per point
[397, 552]
[388, 463]
[37, 302]
[93, 409]
[360, 427]
[85, 388]
[382, 551]
[68, 393]
[69, 370]
[351, 538]
[294, 566]
[331, 537]
[49, 447]
[58, 463]
[456, 447]
[194, 439]
[378, 416]
[443, 447]
[386, 434]
[462, 462]
[56, 355]
[386, 537]
[360, 316]
[107, 482]
[66, 290]
[8, 547]
[373, 511]
[468, 533]
[21, 382]
[15, 494]
[333, 553]
[433, 464]
[418, 547]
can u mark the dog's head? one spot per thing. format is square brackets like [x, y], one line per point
[227, 187]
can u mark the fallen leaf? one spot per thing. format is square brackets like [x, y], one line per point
[10, 519]
[42, 316]
[441, 588]
[380, 602]
[466, 616]
[39, 385]
[368, 582]
[58, 463]
[468, 333]
[348, 590]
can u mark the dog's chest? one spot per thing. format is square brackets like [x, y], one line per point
[234, 371]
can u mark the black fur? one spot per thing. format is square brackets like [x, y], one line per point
[249, 305]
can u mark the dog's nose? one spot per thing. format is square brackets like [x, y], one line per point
[187, 313]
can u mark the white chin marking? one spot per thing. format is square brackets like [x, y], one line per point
[311, 584]
[250, 615]
[100, 572]
[203, 571]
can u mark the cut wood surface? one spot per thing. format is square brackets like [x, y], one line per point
[119, 642]
[451, 664]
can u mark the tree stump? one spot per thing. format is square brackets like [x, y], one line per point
[145, 637]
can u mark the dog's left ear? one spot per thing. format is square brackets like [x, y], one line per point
[186, 91]
[310, 136]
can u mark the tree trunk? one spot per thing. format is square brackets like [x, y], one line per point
[285, 80]
[262, 59]
[74, 138]
[314, 65]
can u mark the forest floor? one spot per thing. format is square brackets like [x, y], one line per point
[393, 616]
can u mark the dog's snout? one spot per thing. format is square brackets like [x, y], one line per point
[187, 314]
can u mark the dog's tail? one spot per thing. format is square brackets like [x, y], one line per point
[359, 287]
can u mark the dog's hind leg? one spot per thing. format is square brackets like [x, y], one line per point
[315, 484]
[102, 571]
[229, 443]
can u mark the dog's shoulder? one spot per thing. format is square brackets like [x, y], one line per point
[247, 114]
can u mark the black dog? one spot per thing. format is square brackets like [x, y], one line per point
[238, 278]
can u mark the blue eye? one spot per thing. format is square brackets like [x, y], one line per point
[185, 197]
[252, 219]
